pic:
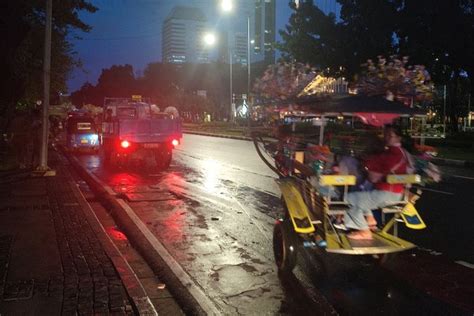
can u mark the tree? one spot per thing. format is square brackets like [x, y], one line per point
[88, 94]
[284, 81]
[117, 81]
[311, 37]
[22, 41]
[394, 78]
[366, 29]
[441, 36]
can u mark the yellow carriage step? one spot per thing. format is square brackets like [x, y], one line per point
[411, 217]
[297, 209]
[337, 180]
[403, 178]
[381, 243]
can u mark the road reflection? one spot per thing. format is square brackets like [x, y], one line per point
[376, 291]
[125, 182]
[211, 170]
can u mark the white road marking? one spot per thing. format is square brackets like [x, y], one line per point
[436, 191]
[466, 264]
[462, 177]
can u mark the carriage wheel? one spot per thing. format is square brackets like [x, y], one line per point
[284, 246]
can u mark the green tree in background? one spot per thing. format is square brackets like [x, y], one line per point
[440, 34]
[117, 81]
[436, 34]
[22, 40]
[312, 37]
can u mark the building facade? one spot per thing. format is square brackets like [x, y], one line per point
[182, 35]
[265, 30]
[234, 36]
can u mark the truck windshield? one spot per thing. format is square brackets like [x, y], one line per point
[126, 112]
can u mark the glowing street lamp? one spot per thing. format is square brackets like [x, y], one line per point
[209, 39]
[227, 5]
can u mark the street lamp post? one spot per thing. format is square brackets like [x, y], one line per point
[43, 169]
[444, 111]
[248, 71]
[227, 6]
[231, 113]
[469, 111]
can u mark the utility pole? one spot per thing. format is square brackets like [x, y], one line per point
[249, 108]
[469, 111]
[444, 112]
[43, 168]
[231, 114]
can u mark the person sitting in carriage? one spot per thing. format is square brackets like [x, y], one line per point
[393, 160]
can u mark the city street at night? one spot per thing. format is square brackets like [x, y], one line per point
[237, 157]
[214, 213]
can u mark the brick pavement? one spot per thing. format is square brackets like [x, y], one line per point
[52, 261]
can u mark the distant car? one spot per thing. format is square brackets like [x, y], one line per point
[82, 133]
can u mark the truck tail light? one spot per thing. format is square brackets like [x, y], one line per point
[124, 144]
[175, 142]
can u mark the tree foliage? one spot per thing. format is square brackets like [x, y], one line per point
[393, 77]
[166, 84]
[22, 25]
[284, 80]
[311, 37]
[436, 34]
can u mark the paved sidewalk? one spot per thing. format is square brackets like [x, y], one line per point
[53, 258]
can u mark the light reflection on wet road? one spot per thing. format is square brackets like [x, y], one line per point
[219, 227]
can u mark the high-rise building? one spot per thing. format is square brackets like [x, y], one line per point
[327, 6]
[262, 32]
[237, 43]
[182, 34]
[240, 48]
[265, 30]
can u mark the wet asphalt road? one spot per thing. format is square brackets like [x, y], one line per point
[214, 210]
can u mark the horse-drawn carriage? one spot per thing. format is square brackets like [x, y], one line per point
[314, 192]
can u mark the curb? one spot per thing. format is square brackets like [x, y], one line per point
[184, 293]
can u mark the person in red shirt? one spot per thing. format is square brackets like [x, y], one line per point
[393, 160]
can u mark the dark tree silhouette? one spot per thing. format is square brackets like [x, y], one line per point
[21, 57]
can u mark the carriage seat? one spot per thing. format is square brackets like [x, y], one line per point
[339, 206]
[407, 180]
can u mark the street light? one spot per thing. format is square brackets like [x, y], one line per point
[209, 39]
[227, 6]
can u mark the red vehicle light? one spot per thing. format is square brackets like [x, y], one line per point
[175, 142]
[124, 144]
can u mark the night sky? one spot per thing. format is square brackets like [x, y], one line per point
[129, 32]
